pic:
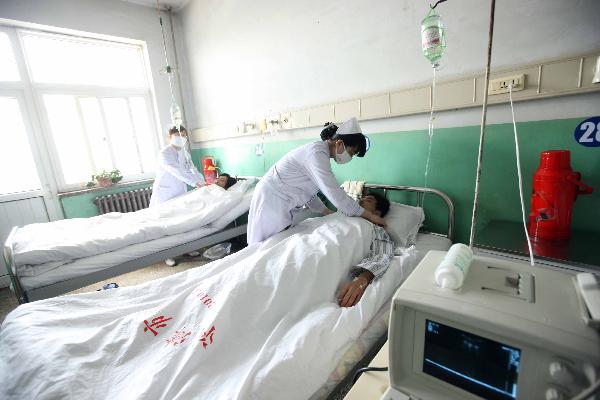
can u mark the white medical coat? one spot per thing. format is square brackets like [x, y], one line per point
[173, 175]
[291, 183]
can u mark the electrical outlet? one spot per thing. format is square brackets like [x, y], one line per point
[500, 85]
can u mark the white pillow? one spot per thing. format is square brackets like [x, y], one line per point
[242, 185]
[403, 223]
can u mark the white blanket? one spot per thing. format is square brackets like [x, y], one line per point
[65, 240]
[262, 323]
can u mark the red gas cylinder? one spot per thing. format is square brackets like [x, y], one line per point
[555, 188]
[210, 171]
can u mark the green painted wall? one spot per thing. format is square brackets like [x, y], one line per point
[82, 205]
[399, 158]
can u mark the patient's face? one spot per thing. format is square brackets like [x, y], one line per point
[222, 181]
[369, 203]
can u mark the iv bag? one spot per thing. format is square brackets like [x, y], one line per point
[176, 118]
[433, 38]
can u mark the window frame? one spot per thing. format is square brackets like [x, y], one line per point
[98, 94]
[49, 157]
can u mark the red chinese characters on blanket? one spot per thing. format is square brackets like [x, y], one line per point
[204, 298]
[179, 337]
[158, 322]
[207, 337]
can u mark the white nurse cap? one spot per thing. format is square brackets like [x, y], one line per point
[349, 127]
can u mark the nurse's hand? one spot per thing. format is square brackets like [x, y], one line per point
[199, 185]
[376, 219]
[327, 211]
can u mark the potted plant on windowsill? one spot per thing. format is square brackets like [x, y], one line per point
[105, 178]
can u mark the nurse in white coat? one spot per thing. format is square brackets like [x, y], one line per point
[174, 172]
[295, 180]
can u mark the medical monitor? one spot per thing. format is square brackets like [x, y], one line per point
[479, 365]
[512, 332]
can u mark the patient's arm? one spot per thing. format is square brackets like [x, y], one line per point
[352, 292]
[373, 266]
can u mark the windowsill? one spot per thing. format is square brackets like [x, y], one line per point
[78, 192]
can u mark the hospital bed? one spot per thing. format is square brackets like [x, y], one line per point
[273, 337]
[88, 270]
[374, 336]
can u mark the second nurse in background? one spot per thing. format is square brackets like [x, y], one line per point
[295, 180]
[175, 172]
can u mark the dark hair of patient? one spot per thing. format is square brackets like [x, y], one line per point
[356, 140]
[230, 181]
[383, 204]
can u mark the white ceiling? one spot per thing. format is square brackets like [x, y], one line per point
[174, 4]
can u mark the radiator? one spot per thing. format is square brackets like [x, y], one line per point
[132, 200]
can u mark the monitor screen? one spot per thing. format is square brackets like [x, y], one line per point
[482, 366]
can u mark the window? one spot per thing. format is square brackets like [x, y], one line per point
[96, 105]
[19, 170]
[8, 65]
[78, 61]
[93, 133]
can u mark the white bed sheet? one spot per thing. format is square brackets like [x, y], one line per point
[70, 239]
[379, 324]
[99, 262]
[256, 354]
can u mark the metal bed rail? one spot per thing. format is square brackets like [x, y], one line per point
[343, 386]
[9, 261]
[58, 288]
[421, 191]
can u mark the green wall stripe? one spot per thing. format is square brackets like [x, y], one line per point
[399, 158]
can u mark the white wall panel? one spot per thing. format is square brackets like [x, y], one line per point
[249, 57]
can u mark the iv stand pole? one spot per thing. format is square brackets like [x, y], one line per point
[483, 116]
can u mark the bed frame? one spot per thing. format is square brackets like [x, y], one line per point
[344, 386]
[54, 289]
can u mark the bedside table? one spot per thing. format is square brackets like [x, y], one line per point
[581, 250]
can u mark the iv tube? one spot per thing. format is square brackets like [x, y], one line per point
[431, 118]
[512, 110]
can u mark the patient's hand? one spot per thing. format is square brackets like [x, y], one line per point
[352, 292]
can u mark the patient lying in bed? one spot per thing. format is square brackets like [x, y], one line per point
[238, 328]
[225, 181]
[379, 257]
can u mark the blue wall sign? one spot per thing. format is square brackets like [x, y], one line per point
[587, 133]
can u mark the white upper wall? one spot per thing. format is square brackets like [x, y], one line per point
[109, 17]
[249, 57]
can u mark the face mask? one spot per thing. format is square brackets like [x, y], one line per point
[344, 157]
[178, 141]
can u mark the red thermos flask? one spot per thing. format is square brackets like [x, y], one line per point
[555, 189]
[209, 169]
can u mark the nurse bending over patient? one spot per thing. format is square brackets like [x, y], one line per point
[295, 180]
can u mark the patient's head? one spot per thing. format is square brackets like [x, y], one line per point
[225, 181]
[375, 203]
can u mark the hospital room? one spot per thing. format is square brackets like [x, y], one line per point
[312, 200]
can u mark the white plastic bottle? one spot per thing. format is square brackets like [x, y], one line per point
[451, 273]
